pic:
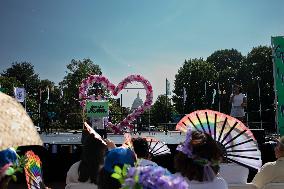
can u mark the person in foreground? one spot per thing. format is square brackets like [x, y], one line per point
[141, 150]
[198, 161]
[115, 157]
[272, 171]
[83, 174]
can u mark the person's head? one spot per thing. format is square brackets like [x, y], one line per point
[237, 89]
[115, 157]
[197, 153]
[92, 157]
[141, 147]
[279, 148]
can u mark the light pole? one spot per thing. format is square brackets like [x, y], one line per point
[259, 99]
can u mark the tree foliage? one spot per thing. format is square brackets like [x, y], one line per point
[230, 67]
[260, 72]
[193, 76]
[24, 73]
[8, 83]
[24, 76]
[77, 70]
[162, 110]
[228, 64]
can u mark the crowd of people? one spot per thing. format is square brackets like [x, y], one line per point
[197, 162]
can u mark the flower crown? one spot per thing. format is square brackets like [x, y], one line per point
[186, 148]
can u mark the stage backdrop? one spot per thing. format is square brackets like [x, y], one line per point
[278, 63]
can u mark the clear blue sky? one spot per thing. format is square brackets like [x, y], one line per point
[151, 38]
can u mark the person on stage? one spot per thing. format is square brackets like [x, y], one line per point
[238, 101]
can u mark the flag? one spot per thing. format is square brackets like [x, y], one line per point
[168, 91]
[184, 95]
[20, 94]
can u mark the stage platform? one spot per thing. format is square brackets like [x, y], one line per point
[64, 138]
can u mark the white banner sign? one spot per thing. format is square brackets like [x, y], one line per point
[20, 94]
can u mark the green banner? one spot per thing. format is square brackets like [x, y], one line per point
[97, 108]
[278, 60]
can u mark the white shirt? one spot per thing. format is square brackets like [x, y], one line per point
[270, 172]
[234, 173]
[72, 179]
[217, 183]
[238, 99]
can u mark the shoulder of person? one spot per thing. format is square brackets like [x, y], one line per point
[222, 184]
[72, 174]
[268, 165]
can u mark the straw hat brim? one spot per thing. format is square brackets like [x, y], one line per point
[16, 127]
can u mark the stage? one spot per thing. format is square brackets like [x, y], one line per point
[65, 138]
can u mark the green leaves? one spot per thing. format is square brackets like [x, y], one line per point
[10, 171]
[120, 174]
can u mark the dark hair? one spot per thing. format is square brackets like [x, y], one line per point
[205, 148]
[85, 133]
[105, 181]
[92, 157]
[239, 87]
[141, 147]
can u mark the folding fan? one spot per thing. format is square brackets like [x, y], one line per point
[157, 147]
[234, 138]
[92, 131]
[33, 171]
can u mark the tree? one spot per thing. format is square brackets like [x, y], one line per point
[77, 71]
[24, 73]
[193, 76]
[227, 63]
[8, 83]
[162, 110]
[259, 70]
[50, 103]
[221, 59]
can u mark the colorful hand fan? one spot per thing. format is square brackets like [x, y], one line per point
[235, 139]
[92, 131]
[33, 171]
[157, 147]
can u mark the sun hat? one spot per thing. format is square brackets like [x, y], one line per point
[16, 127]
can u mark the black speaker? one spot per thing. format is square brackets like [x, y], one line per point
[259, 135]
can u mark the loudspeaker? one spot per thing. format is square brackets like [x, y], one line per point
[259, 135]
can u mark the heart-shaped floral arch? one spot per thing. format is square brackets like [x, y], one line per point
[83, 95]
